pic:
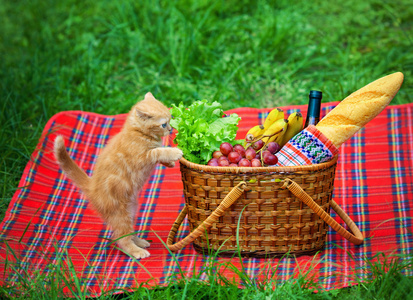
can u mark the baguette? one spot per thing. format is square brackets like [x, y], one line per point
[355, 111]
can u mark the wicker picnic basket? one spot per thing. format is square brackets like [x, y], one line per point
[259, 212]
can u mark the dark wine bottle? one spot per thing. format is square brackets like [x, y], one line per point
[314, 106]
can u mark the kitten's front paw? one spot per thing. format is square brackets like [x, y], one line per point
[176, 154]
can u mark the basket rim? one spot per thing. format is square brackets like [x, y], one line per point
[238, 170]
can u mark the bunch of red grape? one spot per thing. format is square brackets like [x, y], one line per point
[238, 156]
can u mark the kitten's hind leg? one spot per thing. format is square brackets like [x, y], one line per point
[140, 242]
[122, 227]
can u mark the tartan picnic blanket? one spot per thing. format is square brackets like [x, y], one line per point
[49, 219]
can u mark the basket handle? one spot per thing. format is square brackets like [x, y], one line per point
[229, 199]
[356, 238]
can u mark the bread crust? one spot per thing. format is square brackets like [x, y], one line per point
[359, 108]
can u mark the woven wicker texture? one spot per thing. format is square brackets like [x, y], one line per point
[273, 221]
[356, 238]
[229, 199]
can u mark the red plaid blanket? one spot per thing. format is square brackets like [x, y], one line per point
[48, 219]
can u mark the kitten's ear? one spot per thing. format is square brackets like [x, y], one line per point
[142, 115]
[149, 96]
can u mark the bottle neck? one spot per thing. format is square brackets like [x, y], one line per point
[313, 112]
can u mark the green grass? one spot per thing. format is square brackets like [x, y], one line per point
[102, 56]
[380, 278]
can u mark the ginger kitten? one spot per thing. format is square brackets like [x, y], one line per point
[122, 168]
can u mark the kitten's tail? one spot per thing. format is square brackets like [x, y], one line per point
[68, 165]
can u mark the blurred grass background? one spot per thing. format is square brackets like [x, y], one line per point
[103, 56]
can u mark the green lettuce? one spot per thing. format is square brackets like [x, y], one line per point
[202, 129]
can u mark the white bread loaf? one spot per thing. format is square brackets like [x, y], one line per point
[355, 111]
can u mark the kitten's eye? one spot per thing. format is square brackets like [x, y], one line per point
[164, 125]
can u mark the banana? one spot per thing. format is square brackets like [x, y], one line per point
[279, 138]
[275, 130]
[295, 125]
[274, 115]
[254, 133]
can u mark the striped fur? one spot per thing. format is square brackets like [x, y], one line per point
[122, 169]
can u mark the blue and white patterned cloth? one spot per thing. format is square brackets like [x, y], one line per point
[308, 147]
